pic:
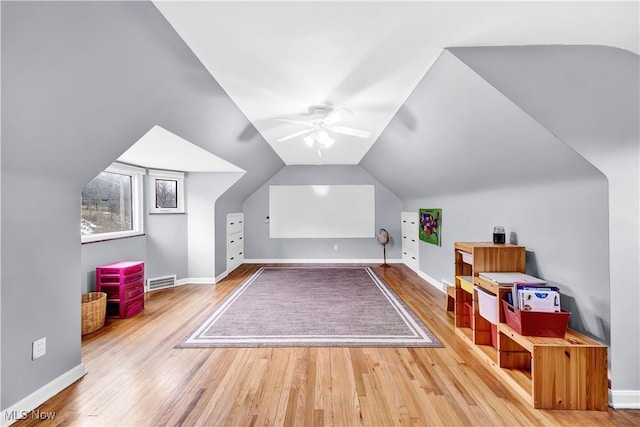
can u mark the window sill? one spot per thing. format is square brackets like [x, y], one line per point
[108, 239]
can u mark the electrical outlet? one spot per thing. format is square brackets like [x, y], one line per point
[335, 247]
[39, 348]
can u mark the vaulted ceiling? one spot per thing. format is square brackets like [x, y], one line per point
[277, 60]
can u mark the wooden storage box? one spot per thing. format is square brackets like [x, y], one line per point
[535, 323]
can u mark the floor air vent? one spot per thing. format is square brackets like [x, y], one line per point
[161, 282]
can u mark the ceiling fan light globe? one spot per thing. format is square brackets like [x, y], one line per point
[310, 139]
[324, 139]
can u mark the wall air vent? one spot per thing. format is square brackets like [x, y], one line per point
[161, 282]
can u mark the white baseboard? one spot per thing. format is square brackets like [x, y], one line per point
[187, 281]
[624, 399]
[196, 281]
[23, 409]
[433, 282]
[221, 276]
[320, 261]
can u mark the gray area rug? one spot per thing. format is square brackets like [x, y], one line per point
[312, 307]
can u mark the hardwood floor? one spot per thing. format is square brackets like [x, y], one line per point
[136, 377]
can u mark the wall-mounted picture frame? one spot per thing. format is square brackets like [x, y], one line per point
[430, 225]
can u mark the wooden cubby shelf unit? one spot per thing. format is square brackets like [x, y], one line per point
[472, 258]
[555, 373]
[548, 373]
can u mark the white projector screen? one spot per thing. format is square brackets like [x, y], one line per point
[310, 211]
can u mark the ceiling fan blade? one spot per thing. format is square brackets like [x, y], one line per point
[336, 116]
[298, 122]
[293, 135]
[351, 131]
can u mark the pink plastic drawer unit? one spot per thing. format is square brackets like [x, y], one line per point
[120, 269]
[123, 282]
[117, 293]
[127, 309]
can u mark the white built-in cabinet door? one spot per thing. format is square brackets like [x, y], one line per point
[410, 240]
[235, 240]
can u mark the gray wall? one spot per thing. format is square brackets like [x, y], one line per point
[504, 127]
[163, 248]
[563, 227]
[100, 253]
[231, 200]
[166, 245]
[258, 244]
[204, 190]
[589, 97]
[81, 82]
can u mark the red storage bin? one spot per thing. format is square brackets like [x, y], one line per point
[494, 335]
[469, 308]
[536, 323]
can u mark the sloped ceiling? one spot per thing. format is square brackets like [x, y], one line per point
[467, 136]
[162, 149]
[277, 59]
[583, 94]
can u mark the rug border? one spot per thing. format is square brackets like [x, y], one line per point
[309, 340]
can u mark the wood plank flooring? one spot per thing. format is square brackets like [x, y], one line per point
[136, 377]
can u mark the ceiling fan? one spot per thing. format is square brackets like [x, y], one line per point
[318, 128]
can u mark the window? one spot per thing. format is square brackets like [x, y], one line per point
[166, 192]
[112, 204]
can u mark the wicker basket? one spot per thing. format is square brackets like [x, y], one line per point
[94, 306]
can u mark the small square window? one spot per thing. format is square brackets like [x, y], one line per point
[166, 192]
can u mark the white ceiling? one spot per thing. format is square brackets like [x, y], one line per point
[276, 59]
[161, 149]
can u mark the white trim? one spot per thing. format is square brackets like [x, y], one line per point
[415, 270]
[23, 408]
[137, 210]
[320, 261]
[433, 282]
[221, 276]
[187, 281]
[446, 284]
[624, 399]
[166, 174]
[196, 281]
[124, 169]
[154, 175]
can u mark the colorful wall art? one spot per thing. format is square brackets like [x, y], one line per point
[430, 225]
